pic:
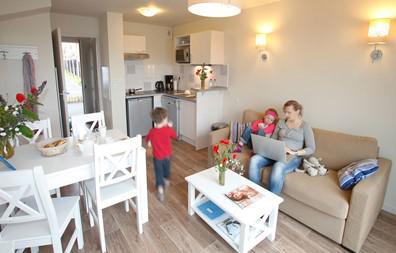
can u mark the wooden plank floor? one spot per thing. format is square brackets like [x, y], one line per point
[171, 229]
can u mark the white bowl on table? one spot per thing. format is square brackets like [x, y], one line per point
[46, 149]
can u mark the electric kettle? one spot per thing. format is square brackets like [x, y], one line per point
[159, 86]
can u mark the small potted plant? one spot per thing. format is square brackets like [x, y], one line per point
[13, 118]
[226, 159]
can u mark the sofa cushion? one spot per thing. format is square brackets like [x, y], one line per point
[244, 157]
[355, 172]
[250, 115]
[338, 149]
[320, 192]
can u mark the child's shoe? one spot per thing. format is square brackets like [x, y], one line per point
[160, 193]
[238, 148]
[166, 183]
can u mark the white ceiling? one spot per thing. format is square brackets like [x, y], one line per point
[174, 12]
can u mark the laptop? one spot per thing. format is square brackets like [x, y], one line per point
[270, 148]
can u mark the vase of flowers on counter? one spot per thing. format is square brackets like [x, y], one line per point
[226, 159]
[13, 118]
[203, 74]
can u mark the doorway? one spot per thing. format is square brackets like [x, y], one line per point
[76, 65]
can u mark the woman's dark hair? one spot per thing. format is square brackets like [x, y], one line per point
[296, 105]
[158, 114]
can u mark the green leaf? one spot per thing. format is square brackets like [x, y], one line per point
[29, 115]
[25, 131]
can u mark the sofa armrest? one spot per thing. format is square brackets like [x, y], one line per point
[214, 138]
[366, 202]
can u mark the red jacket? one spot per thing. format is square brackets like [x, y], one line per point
[268, 130]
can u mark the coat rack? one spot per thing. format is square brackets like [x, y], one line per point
[16, 52]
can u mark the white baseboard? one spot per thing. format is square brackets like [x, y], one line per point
[389, 208]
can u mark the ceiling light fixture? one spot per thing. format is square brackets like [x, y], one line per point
[148, 11]
[214, 8]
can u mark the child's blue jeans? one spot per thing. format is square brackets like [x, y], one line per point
[162, 170]
[246, 137]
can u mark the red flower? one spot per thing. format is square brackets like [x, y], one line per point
[20, 97]
[225, 141]
[216, 149]
[234, 156]
[225, 160]
[34, 90]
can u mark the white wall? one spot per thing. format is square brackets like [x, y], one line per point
[31, 30]
[10, 7]
[111, 30]
[318, 55]
[159, 45]
[76, 26]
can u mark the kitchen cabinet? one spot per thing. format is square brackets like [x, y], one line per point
[134, 44]
[138, 116]
[207, 47]
[188, 121]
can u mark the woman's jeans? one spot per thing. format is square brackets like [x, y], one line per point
[246, 137]
[278, 173]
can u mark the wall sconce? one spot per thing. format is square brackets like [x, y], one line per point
[261, 45]
[377, 33]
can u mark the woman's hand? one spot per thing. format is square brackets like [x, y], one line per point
[290, 152]
[261, 125]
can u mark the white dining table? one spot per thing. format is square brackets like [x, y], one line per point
[70, 167]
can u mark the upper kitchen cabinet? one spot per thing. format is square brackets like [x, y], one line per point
[135, 47]
[207, 47]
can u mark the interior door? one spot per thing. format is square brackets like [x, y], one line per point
[60, 70]
[89, 74]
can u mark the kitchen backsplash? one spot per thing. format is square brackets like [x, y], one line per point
[138, 74]
[189, 79]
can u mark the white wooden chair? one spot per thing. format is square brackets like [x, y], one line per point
[40, 128]
[117, 169]
[40, 220]
[81, 122]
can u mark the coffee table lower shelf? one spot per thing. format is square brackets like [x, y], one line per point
[256, 232]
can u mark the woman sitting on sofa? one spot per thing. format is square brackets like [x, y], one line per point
[299, 139]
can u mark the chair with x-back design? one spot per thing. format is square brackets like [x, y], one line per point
[30, 217]
[118, 168]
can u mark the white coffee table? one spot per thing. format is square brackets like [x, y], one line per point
[255, 226]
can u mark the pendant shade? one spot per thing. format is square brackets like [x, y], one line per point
[214, 8]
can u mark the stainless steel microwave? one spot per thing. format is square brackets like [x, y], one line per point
[183, 55]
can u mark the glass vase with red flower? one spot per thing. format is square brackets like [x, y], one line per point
[224, 157]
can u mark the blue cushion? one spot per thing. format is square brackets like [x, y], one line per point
[355, 172]
[7, 163]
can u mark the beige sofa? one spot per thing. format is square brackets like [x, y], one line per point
[343, 216]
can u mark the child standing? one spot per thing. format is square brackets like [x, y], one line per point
[159, 138]
[263, 127]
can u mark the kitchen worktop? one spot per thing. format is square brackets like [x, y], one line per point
[176, 94]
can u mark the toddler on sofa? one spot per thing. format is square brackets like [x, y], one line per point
[263, 127]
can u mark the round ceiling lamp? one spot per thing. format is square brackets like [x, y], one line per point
[148, 11]
[214, 8]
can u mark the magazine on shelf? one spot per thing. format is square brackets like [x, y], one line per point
[244, 196]
[210, 210]
[232, 228]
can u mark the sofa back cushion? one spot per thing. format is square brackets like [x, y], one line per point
[251, 115]
[338, 149]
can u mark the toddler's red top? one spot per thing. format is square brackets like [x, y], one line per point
[160, 139]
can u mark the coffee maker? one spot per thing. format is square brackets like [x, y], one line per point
[169, 82]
